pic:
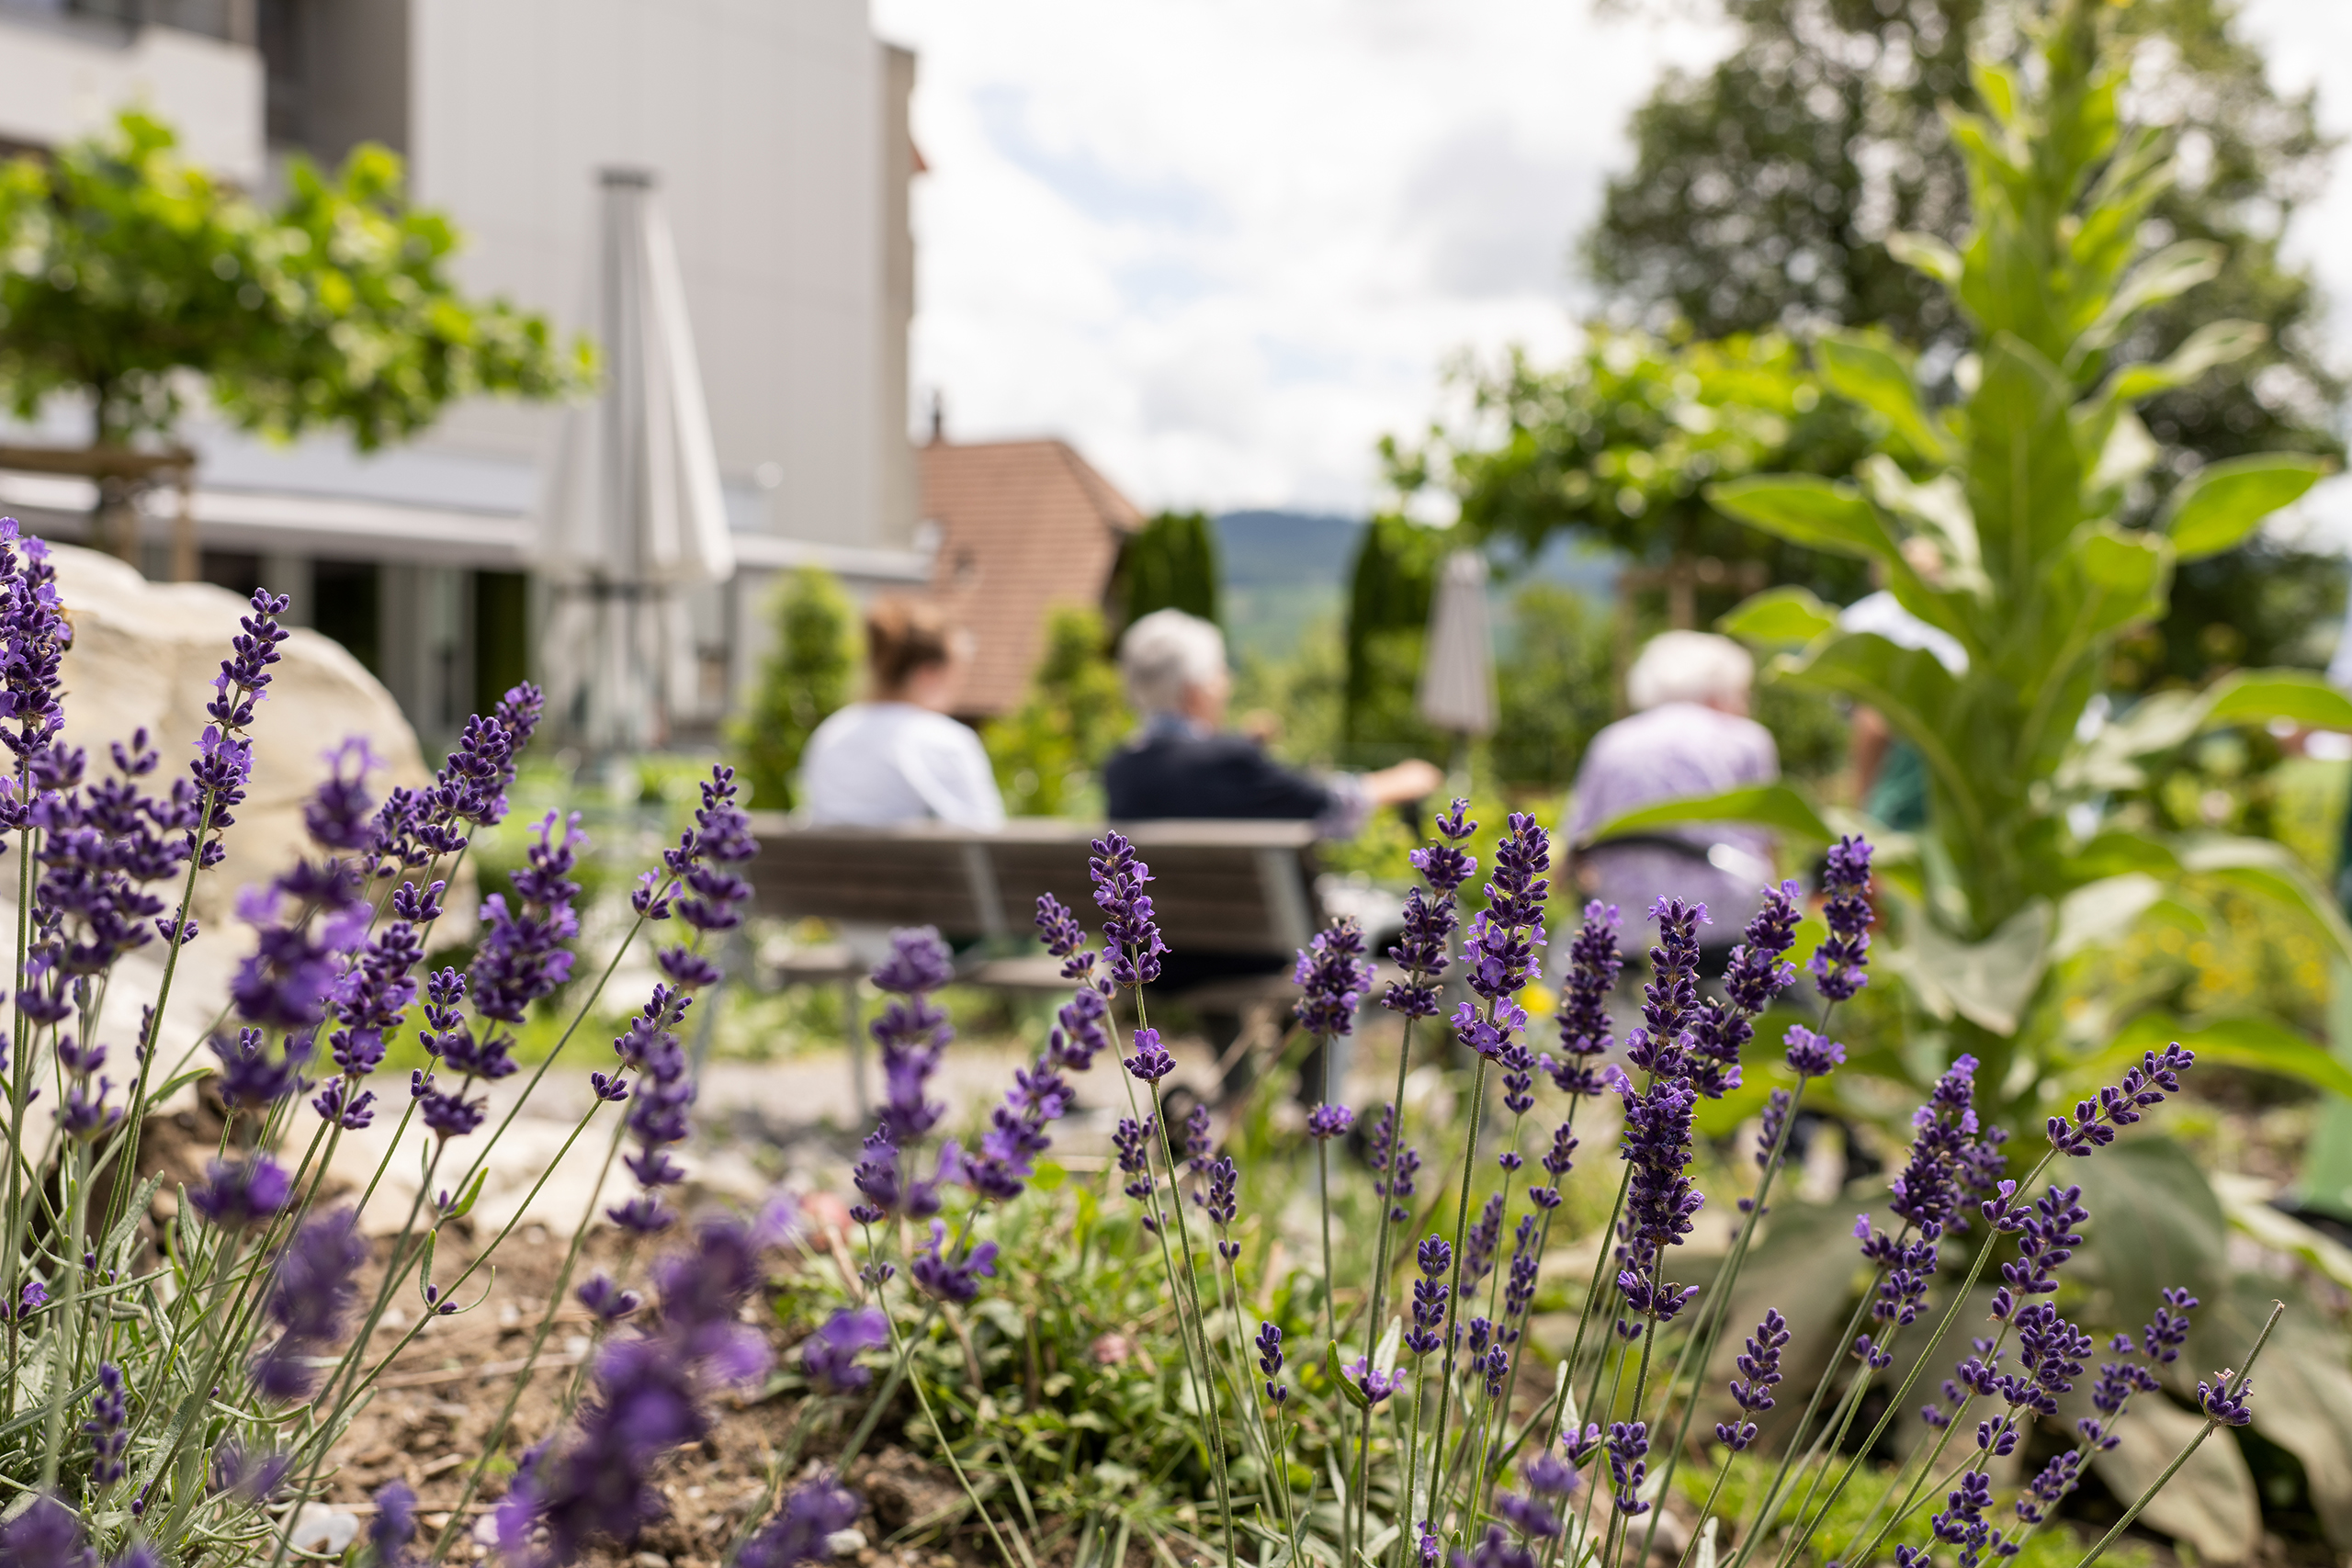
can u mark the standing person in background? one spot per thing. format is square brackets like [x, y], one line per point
[1690, 736]
[897, 757]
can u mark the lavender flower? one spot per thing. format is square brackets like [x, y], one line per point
[1063, 937]
[1133, 1140]
[2046, 1240]
[1501, 943]
[953, 1279]
[1759, 1368]
[224, 759]
[1660, 1198]
[1530, 1517]
[34, 636]
[1494, 1550]
[2121, 1104]
[1327, 1122]
[1721, 1030]
[1374, 1385]
[1478, 1245]
[1130, 935]
[1334, 976]
[1628, 1443]
[830, 1355]
[1558, 1161]
[1150, 1063]
[1962, 1521]
[1810, 1055]
[1270, 1361]
[1838, 964]
[1392, 1166]
[1222, 1204]
[317, 1283]
[236, 1196]
[912, 1031]
[394, 1525]
[1429, 919]
[814, 1512]
[1594, 964]
[1429, 1294]
[1080, 1034]
[1671, 995]
[106, 1428]
[46, 1535]
[605, 1299]
[2231, 1406]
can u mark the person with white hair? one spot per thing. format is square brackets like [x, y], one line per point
[1689, 735]
[1182, 763]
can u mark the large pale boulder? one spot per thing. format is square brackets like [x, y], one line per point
[144, 654]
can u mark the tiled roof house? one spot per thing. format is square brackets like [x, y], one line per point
[1022, 526]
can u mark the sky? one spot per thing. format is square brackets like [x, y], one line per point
[1222, 246]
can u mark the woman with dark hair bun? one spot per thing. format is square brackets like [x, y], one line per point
[897, 756]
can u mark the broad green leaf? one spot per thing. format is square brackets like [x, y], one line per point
[1346, 1384]
[1769, 805]
[2215, 342]
[2258, 696]
[2246, 1200]
[1866, 368]
[1779, 617]
[2168, 274]
[1926, 253]
[2303, 1393]
[1917, 695]
[1805, 509]
[2155, 1224]
[2127, 452]
[2271, 871]
[2253, 1041]
[1938, 508]
[2102, 911]
[1988, 983]
[2025, 478]
[2222, 502]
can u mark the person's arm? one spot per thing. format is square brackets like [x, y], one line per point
[1867, 750]
[1406, 781]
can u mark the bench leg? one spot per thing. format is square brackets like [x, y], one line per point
[855, 1037]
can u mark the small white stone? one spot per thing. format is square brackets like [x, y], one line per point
[325, 1530]
[575, 1344]
[485, 1531]
[509, 1315]
[840, 1543]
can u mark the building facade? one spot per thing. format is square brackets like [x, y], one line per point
[778, 136]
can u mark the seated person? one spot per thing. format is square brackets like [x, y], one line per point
[1179, 763]
[897, 757]
[1691, 735]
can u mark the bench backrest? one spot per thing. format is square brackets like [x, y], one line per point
[1217, 886]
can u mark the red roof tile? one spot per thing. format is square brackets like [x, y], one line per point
[1025, 525]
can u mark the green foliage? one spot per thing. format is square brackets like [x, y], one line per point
[1170, 564]
[1621, 443]
[1302, 693]
[1046, 751]
[1776, 188]
[1388, 616]
[128, 267]
[1556, 685]
[807, 673]
[2037, 579]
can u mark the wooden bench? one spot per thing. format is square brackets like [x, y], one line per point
[1233, 889]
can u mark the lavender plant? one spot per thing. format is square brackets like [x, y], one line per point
[177, 1375]
[1404, 1440]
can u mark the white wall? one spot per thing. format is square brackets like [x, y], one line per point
[63, 83]
[761, 119]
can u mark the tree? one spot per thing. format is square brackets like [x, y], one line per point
[1762, 192]
[128, 269]
[1048, 751]
[1389, 592]
[806, 676]
[1169, 564]
[1554, 683]
[1621, 443]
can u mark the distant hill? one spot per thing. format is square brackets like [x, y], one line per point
[1281, 572]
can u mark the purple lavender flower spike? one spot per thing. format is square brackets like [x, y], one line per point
[236, 1196]
[2231, 1406]
[1810, 1055]
[1759, 1368]
[815, 1512]
[1375, 1384]
[1430, 919]
[1660, 1197]
[1334, 976]
[1407, 1162]
[1130, 934]
[2123, 1104]
[1628, 1443]
[1079, 1034]
[1721, 1030]
[46, 1535]
[1529, 1518]
[953, 1279]
[1839, 965]
[1270, 1361]
[1431, 1294]
[830, 1355]
[1150, 1063]
[605, 1299]
[1594, 964]
[1327, 1122]
[394, 1525]
[1223, 1204]
[106, 1428]
[316, 1285]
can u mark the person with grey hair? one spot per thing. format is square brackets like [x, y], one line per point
[1689, 735]
[1182, 763]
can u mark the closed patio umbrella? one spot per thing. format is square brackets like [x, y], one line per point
[1457, 684]
[633, 514]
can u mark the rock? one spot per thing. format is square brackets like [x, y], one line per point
[325, 1530]
[844, 1543]
[143, 655]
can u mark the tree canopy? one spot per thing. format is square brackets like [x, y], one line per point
[126, 267]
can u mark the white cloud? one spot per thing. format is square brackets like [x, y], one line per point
[1224, 247]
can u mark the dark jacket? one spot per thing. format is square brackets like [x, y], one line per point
[1169, 775]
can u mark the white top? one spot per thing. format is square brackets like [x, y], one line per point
[872, 764]
[1882, 612]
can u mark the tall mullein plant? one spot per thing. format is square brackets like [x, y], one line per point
[1996, 516]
